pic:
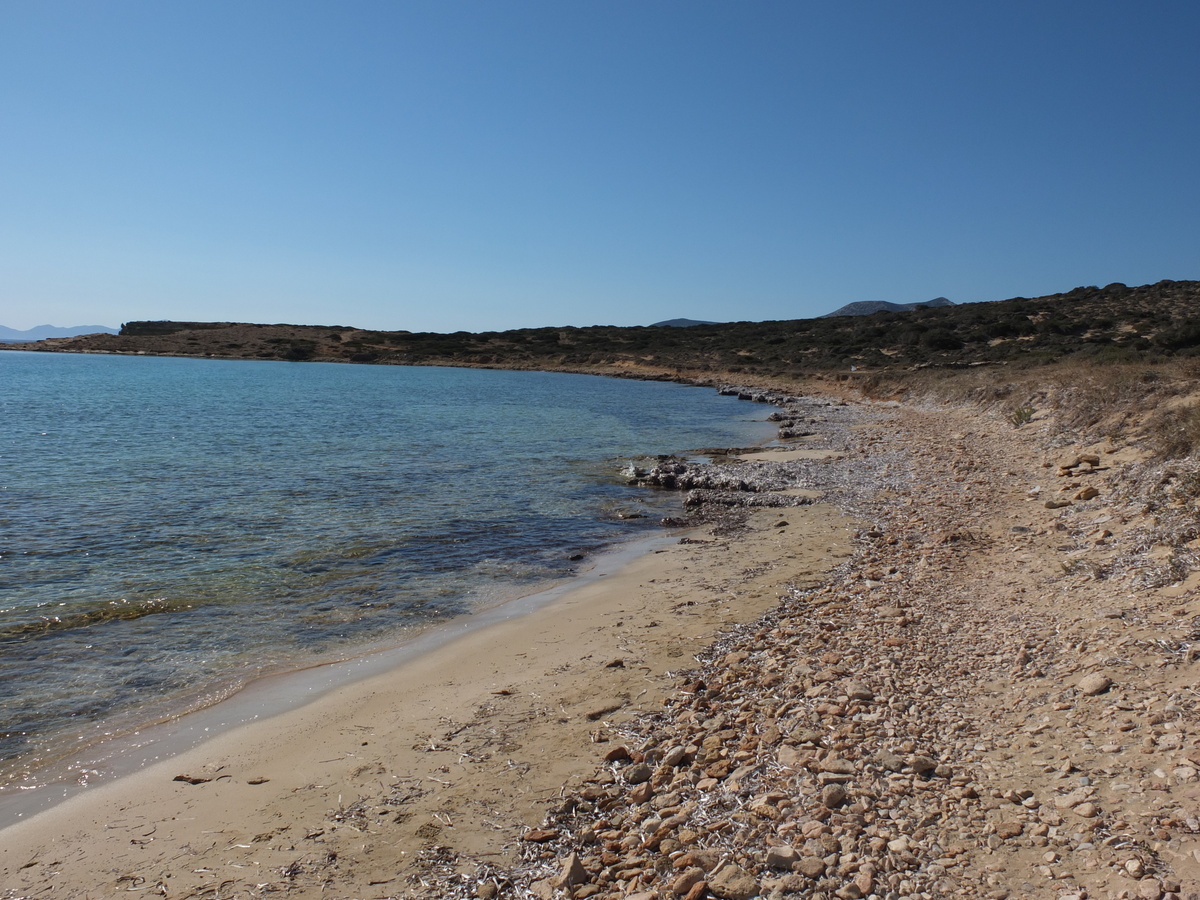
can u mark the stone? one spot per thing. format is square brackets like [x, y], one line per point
[791, 758]
[637, 773]
[837, 766]
[783, 857]
[1008, 830]
[731, 882]
[1093, 684]
[1073, 799]
[922, 765]
[891, 762]
[675, 756]
[834, 795]
[573, 873]
[808, 736]
[1149, 889]
[856, 690]
[812, 866]
[688, 880]
[642, 793]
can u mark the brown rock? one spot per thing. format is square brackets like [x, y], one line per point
[922, 765]
[812, 866]
[675, 756]
[808, 736]
[889, 761]
[1093, 684]
[856, 690]
[637, 773]
[1008, 830]
[573, 873]
[834, 795]
[837, 765]
[732, 882]
[688, 880]
[782, 857]
[642, 792]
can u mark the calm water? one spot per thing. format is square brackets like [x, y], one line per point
[170, 528]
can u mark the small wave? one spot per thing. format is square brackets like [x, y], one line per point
[115, 611]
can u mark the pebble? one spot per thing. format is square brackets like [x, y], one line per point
[1093, 684]
[872, 737]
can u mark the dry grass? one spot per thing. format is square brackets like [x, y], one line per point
[1085, 402]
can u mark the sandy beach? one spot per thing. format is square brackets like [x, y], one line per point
[460, 748]
[964, 664]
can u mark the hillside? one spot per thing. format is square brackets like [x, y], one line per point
[870, 307]
[1111, 324]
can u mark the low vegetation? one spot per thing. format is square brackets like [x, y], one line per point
[1109, 325]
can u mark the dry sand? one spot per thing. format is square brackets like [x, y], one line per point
[457, 749]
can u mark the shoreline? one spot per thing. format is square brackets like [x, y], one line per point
[969, 670]
[616, 498]
[539, 692]
[107, 760]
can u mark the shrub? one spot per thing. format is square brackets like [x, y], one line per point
[1022, 415]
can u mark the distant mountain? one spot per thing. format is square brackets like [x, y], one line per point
[41, 332]
[869, 307]
[681, 323]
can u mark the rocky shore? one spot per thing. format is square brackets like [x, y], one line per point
[996, 696]
[992, 694]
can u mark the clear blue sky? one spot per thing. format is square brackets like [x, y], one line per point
[492, 164]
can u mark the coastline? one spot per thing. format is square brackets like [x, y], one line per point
[267, 695]
[980, 683]
[569, 527]
[532, 696]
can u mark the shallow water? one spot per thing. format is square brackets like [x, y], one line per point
[170, 528]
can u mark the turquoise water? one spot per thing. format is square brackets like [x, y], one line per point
[170, 528]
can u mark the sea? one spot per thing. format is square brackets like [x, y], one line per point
[173, 529]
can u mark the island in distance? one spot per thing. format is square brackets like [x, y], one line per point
[41, 332]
